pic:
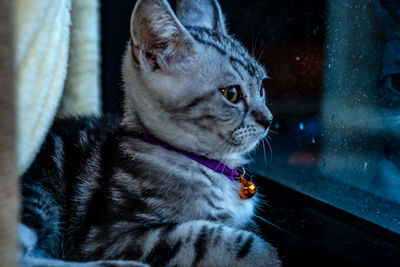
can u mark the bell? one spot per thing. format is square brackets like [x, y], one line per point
[247, 188]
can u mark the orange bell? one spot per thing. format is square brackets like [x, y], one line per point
[247, 188]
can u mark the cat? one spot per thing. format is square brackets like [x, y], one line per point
[105, 190]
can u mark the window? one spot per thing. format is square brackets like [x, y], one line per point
[335, 94]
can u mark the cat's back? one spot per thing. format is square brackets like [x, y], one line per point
[70, 148]
[68, 157]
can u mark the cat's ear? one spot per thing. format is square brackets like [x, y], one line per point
[157, 36]
[201, 13]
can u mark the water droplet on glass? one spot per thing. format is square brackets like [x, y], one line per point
[301, 126]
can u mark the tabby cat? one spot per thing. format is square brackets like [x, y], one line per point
[111, 190]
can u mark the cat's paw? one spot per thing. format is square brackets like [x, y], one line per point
[231, 247]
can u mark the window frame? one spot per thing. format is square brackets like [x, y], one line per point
[311, 232]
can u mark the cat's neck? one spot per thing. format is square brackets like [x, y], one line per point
[230, 162]
[138, 130]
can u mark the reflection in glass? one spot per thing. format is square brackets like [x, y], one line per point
[335, 95]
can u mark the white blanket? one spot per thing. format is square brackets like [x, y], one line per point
[42, 40]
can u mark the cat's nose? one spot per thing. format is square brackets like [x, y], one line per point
[264, 118]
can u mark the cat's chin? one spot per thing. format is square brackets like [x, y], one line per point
[244, 148]
[236, 157]
[232, 160]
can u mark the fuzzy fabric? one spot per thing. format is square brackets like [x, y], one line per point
[8, 176]
[45, 65]
[82, 91]
[42, 41]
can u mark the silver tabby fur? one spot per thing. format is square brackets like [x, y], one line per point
[99, 195]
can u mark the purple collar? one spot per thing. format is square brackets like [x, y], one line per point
[214, 165]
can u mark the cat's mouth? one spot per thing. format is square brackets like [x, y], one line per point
[244, 138]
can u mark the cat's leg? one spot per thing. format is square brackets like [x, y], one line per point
[44, 262]
[31, 257]
[203, 243]
[41, 231]
[194, 243]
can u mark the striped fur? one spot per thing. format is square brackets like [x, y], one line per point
[97, 191]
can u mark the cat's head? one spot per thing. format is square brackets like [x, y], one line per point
[190, 84]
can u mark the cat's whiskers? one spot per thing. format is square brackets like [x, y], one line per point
[252, 157]
[265, 156]
[253, 44]
[257, 39]
[263, 49]
[270, 149]
[272, 132]
[270, 223]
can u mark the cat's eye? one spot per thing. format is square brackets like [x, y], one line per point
[232, 93]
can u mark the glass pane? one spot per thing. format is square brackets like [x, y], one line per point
[335, 94]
